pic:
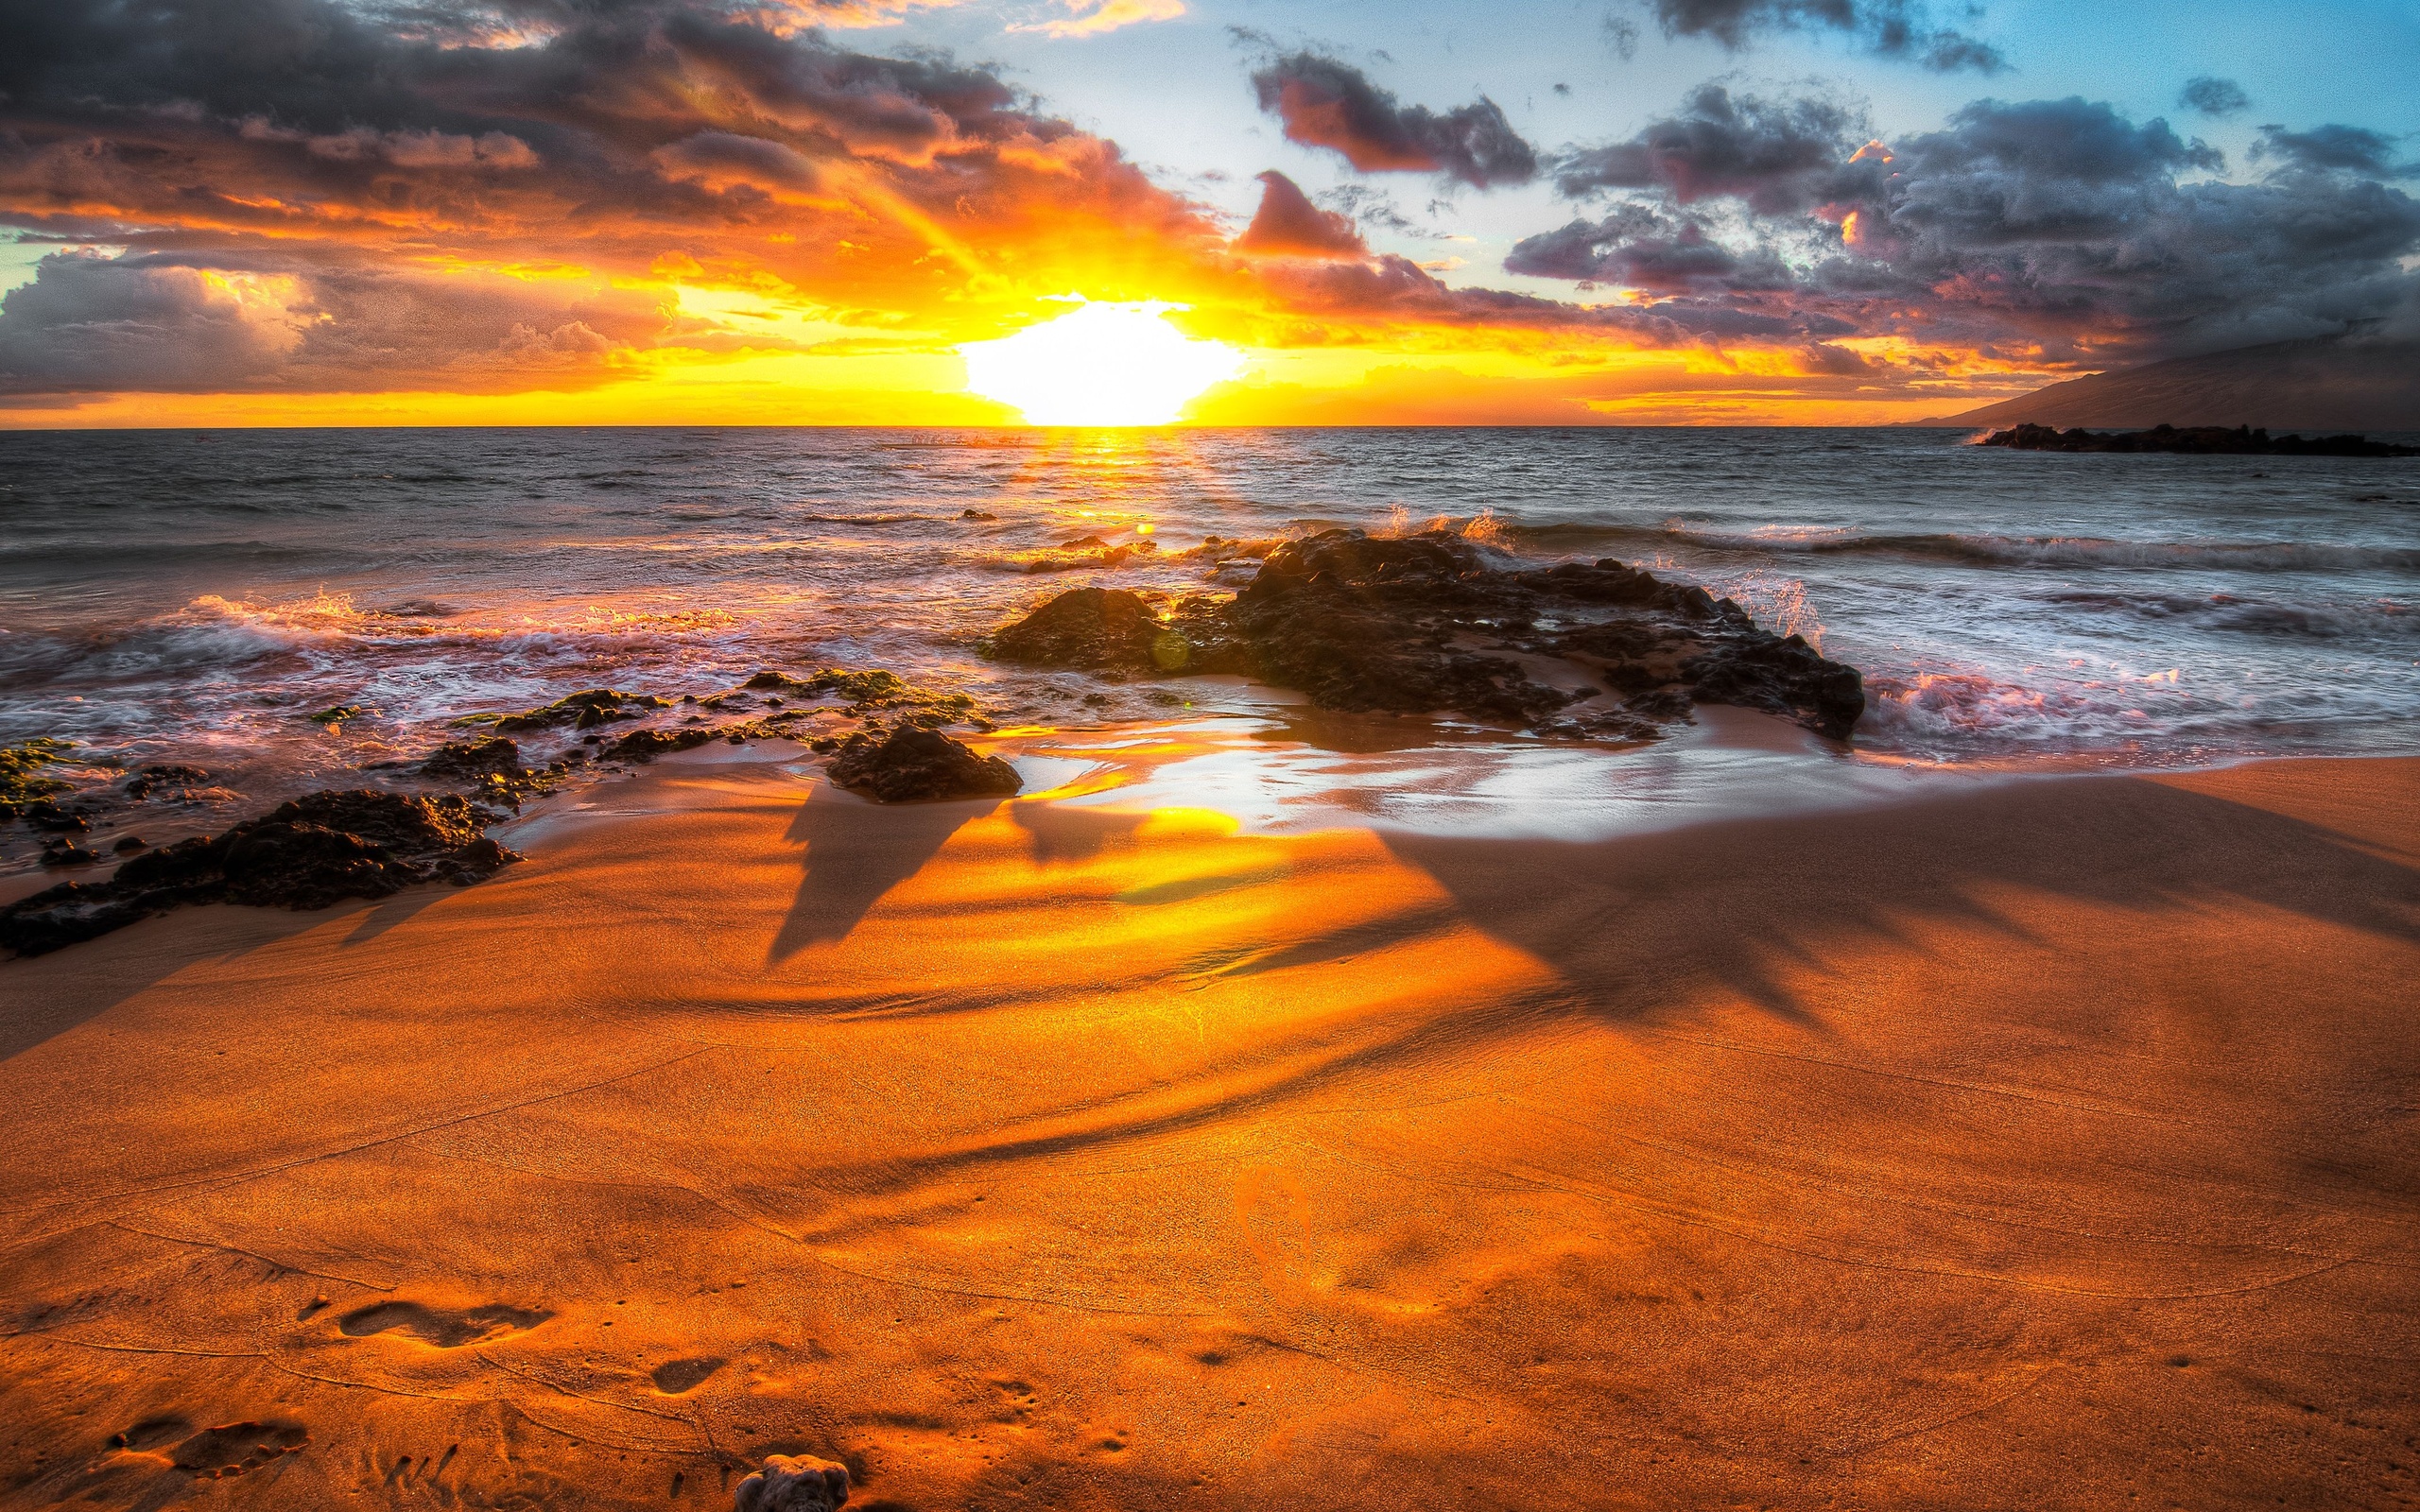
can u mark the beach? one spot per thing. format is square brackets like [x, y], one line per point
[2028, 1142]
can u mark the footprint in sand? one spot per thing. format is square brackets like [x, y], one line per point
[446, 1330]
[229, 1450]
[681, 1376]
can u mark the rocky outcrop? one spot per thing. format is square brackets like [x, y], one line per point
[793, 1482]
[914, 764]
[309, 853]
[2205, 440]
[585, 710]
[1424, 624]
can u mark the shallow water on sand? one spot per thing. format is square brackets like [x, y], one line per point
[194, 595]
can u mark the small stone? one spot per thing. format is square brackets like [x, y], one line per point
[793, 1482]
[918, 765]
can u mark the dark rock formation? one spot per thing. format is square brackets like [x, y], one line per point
[911, 765]
[305, 854]
[473, 760]
[1098, 628]
[59, 818]
[646, 745]
[585, 710]
[794, 1484]
[169, 777]
[1422, 623]
[64, 853]
[862, 692]
[2205, 440]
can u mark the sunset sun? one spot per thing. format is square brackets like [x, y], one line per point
[1098, 365]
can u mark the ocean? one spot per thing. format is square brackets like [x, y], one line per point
[195, 596]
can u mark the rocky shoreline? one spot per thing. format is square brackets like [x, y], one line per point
[1422, 624]
[2197, 440]
[1414, 624]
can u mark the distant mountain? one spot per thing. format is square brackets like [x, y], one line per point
[2338, 384]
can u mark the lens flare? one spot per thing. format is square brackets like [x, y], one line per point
[1100, 365]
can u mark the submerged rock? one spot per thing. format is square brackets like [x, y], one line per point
[474, 761]
[309, 854]
[2206, 441]
[911, 765]
[165, 779]
[1422, 624]
[793, 1482]
[584, 710]
[862, 691]
[646, 745]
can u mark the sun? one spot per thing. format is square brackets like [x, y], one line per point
[1100, 365]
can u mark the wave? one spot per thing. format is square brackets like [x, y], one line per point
[1993, 550]
[213, 635]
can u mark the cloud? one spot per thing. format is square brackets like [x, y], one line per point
[2324, 148]
[2213, 98]
[1891, 28]
[1777, 156]
[168, 323]
[2062, 228]
[1288, 225]
[375, 156]
[1327, 103]
[1096, 16]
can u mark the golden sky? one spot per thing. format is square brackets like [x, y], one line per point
[683, 210]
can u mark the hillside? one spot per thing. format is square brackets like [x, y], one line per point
[2324, 385]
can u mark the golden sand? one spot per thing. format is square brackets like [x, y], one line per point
[2048, 1145]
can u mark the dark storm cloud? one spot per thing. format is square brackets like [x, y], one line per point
[2059, 224]
[1327, 103]
[2324, 148]
[1392, 289]
[1288, 225]
[1778, 155]
[1892, 29]
[1638, 249]
[2213, 98]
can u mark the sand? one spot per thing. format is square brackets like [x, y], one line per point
[2040, 1145]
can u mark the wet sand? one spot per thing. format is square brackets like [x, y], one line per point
[2048, 1145]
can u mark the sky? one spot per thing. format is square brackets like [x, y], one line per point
[1824, 212]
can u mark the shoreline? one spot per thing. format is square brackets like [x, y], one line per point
[2006, 1144]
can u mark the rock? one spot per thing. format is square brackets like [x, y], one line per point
[20, 779]
[336, 714]
[474, 761]
[127, 844]
[646, 745]
[160, 775]
[863, 691]
[1096, 628]
[912, 764]
[1425, 623]
[62, 853]
[2205, 440]
[976, 516]
[309, 853]
[584, 710]
[59, 818]
[793, 1482]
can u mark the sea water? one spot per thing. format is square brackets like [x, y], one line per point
[196, 596]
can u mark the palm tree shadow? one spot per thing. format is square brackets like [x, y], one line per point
[1625, 923]
[857, 850]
